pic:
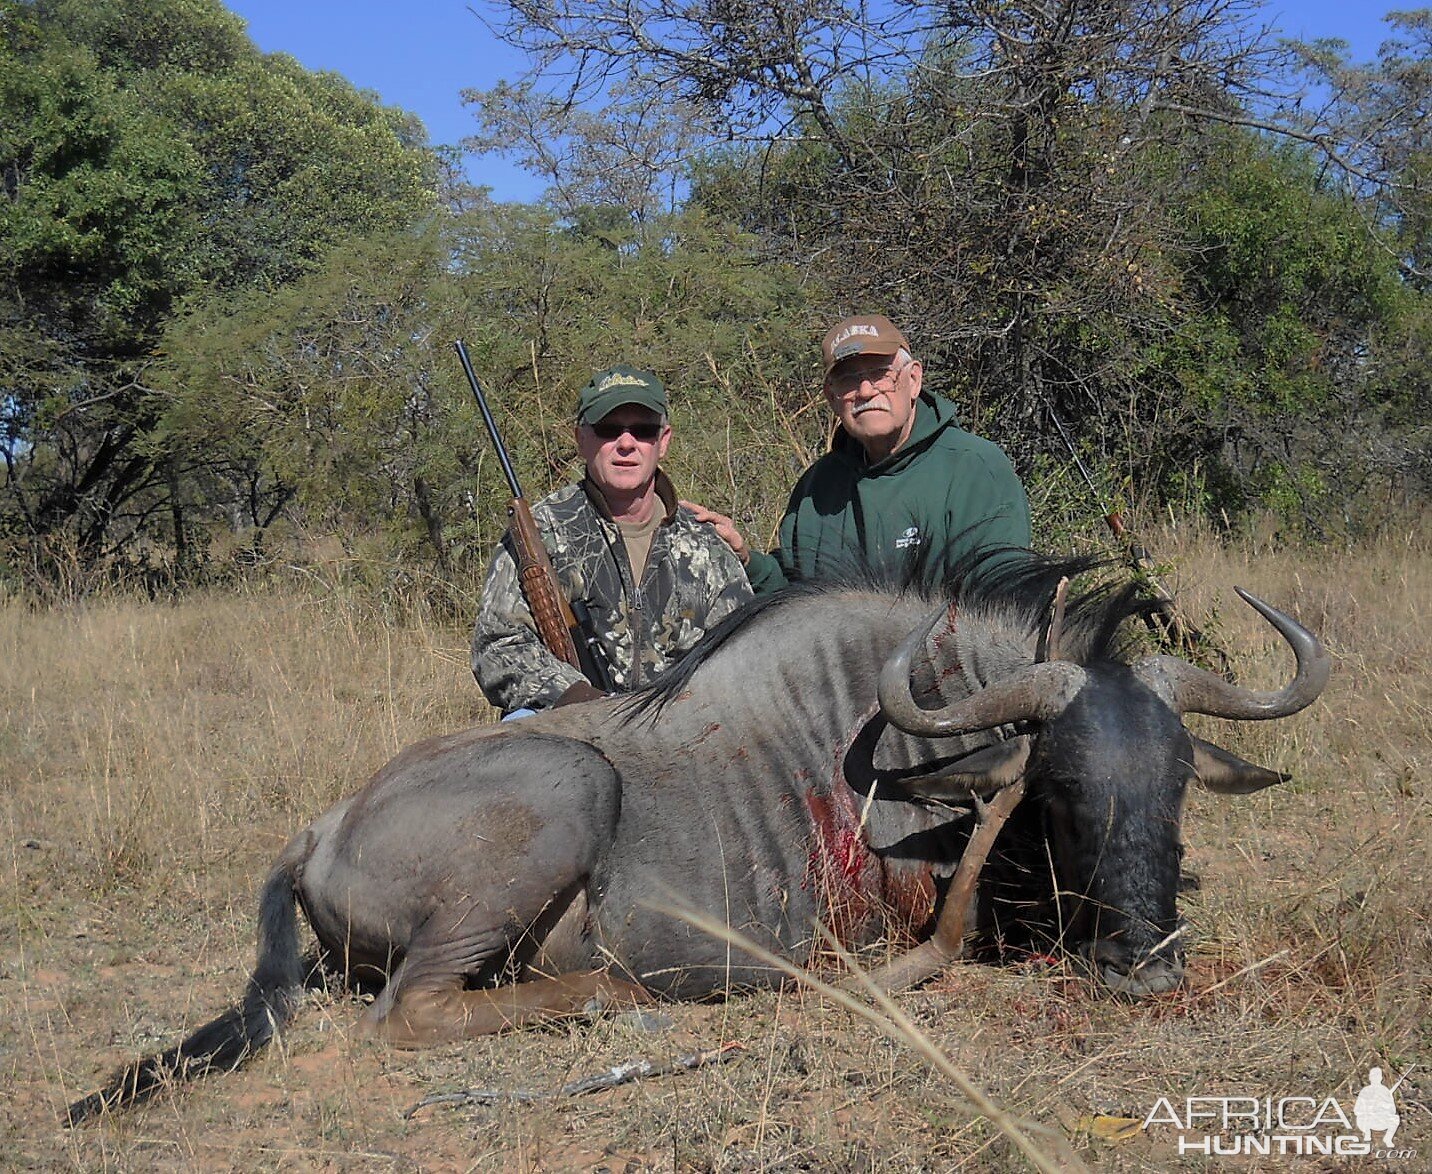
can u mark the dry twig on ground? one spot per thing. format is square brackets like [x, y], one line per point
[611, 1078]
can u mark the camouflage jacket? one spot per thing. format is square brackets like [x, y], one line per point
[691, 580]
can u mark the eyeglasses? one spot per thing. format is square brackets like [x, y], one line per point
[843, 383]
[610, 430]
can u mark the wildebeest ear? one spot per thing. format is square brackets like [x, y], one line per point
[990, 768]
[1226, 774]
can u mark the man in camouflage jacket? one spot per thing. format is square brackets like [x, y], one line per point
[623, 512]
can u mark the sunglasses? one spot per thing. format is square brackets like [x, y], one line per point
[607, 430]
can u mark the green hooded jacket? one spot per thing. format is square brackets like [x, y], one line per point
[944, 488]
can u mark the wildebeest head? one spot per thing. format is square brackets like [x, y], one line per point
[1105, 758]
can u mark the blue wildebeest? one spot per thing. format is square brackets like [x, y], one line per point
[803, 763]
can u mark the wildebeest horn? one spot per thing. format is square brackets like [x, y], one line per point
[1191, 689]
[1054, 634]
[1038, 692]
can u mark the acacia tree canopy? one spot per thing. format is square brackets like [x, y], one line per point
[1030, 189]
[342, 392]
[228, 286]
[152, 157]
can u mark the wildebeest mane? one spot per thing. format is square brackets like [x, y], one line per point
[1014, 585]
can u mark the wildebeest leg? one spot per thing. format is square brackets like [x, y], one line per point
[427, 1001]
[424, 1015]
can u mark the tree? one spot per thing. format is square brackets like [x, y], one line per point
[153, 158]
[339, 397]
[1373, 123]
[324, 392]
[627, 155]
[972, 168]
[1016, 184]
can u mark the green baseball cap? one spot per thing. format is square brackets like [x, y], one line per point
[619, 385]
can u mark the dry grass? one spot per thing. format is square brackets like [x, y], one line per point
[154, 757]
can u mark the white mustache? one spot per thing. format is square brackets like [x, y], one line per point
[867, 406]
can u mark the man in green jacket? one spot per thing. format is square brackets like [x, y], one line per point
[900, 473]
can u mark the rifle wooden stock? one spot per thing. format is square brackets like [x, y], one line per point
[551, 613]
[558, 627]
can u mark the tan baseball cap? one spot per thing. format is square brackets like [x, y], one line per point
[863, 334]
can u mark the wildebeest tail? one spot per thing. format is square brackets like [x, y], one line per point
[223, 1044]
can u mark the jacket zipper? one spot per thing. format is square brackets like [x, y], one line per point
[635, 604]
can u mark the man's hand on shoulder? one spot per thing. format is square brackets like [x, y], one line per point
[725, 529]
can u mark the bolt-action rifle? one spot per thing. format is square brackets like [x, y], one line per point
[563, 625]
[1164, 620]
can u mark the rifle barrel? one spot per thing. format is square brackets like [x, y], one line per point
[507, 470]
[1074, 452]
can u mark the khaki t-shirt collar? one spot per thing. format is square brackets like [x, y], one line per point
[665, 492]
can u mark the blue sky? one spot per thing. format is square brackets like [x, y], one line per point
[421, 54]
